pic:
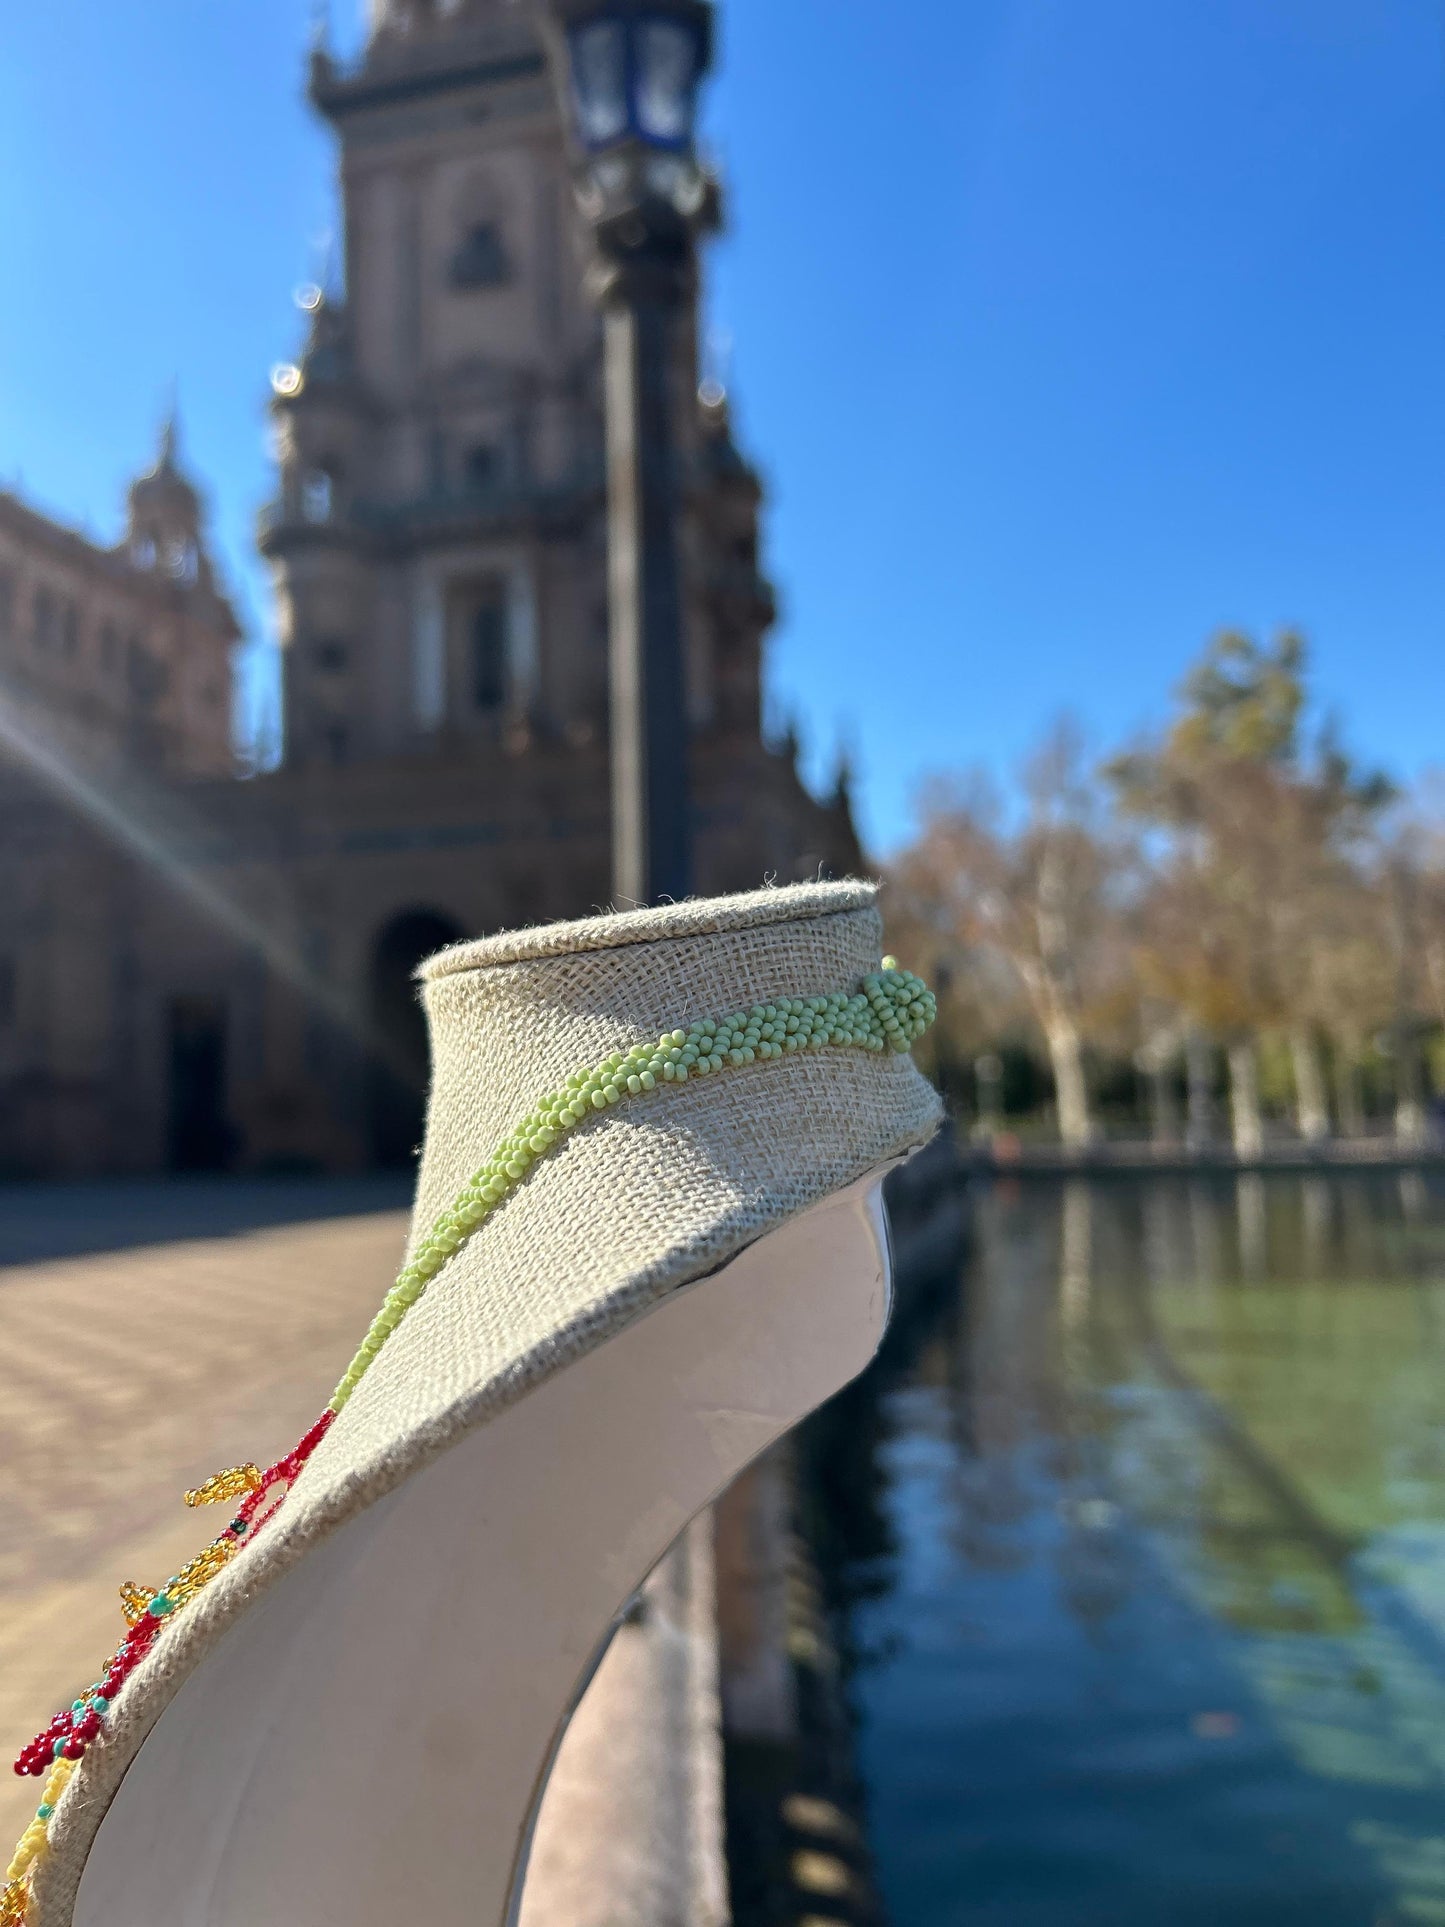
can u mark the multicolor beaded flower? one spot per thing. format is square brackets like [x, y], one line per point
[889, 1011]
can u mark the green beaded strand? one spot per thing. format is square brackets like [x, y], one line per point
[892, 1009]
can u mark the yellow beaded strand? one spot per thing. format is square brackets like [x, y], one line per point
[236, 1483]
[32, 1846]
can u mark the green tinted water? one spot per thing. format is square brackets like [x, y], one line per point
[1138, 1537]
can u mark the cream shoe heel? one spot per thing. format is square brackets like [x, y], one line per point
[647, 1240]
[392, 1705]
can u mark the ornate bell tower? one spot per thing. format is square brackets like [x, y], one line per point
[163, 520]
[439, 435]
[438, 540]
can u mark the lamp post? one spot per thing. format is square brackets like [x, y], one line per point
[628, 72]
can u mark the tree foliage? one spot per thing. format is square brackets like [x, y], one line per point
[1231, 877]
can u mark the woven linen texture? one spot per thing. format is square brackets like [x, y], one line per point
[631, 1205]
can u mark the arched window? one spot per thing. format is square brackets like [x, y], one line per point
[331, 655]
[148, 677]
[483, 468]
[489, 649]
[46, 610]
[481, 260]
[318, 495]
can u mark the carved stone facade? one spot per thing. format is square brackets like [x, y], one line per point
[441, 436]
[211, 970]
[123, 652]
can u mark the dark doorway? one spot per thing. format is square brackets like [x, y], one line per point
[400, 1064]
[200, 1137]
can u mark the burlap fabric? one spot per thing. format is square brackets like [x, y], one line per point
[646, 1197]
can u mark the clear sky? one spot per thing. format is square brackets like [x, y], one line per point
[1063, 334]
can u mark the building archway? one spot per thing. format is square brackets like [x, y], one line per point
[400, 1066]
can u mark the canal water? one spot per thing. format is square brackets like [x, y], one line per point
[1135, 1540]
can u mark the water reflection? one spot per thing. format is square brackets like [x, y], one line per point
[1136, 1535]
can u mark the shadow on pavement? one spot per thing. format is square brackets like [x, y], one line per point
[71, 1219]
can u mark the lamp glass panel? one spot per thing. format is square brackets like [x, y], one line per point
[599, 81]
[667, 61]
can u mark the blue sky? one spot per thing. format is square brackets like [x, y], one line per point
[1063, 335]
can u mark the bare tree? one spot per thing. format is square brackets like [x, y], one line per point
[1410, 894]
[1161, 1040]
[1242, 886]
[1255, 839]
[979, 998]
[1039, 895]
[1348, 988]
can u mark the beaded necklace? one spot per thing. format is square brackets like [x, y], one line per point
[890, 1010]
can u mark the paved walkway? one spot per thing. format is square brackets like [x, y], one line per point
[130, 1374]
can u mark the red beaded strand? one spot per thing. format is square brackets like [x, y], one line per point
[71, 1731]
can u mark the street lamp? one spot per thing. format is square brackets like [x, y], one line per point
[628, 72]
[634, 74]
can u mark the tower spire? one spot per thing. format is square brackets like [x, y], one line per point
[169, 450]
